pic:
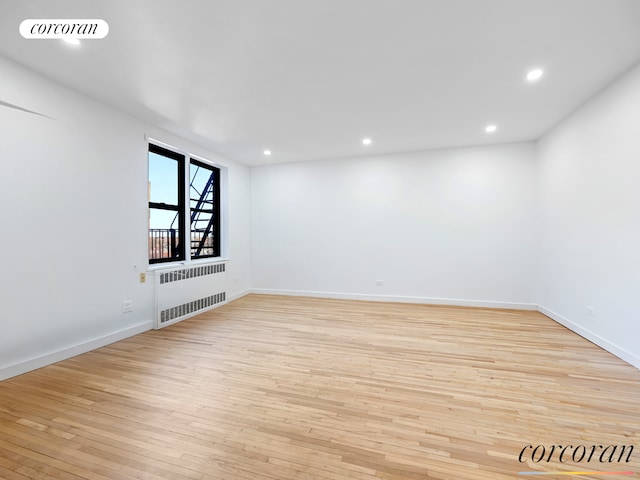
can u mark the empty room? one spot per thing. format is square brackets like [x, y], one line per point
[337, 239]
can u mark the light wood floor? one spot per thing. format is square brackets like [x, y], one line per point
[295, 388]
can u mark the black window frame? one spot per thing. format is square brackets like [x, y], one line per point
[180, 240]
[215, 211]
[178, 249]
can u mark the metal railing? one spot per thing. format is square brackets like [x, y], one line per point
[202, 244]
[163, 243]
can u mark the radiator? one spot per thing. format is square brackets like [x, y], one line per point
[184, 292]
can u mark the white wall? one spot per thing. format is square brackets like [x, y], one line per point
[454, 226]
[73, 191]
[589, 214]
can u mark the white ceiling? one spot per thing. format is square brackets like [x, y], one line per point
[309, 79]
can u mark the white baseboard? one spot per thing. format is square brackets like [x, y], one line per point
[399, 299]
[594, 338]
[237, 295]
[44, 360]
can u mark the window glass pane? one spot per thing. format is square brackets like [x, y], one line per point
[163, 179]
[166, 205]
[164, 234]
[163, 219]
[203, 194]
[202, 231]
[199, 178]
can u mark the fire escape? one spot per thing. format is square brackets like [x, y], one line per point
[203, 216]
[204, 207]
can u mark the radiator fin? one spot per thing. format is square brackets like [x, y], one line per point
[189, 290]
[193, 272]
[193, 306]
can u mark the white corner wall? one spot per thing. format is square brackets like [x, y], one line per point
[452, 226]
[73, 191]
[589, 217]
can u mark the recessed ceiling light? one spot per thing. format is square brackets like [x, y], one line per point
[366, 141]
[71, 41]
[490, 128]
[267, 152]
[535, 75]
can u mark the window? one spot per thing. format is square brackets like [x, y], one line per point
[204, 193]
[172, 213]
[166, 205]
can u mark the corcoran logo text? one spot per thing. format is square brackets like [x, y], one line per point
[576, 454]
[579, 454]
[64, 28]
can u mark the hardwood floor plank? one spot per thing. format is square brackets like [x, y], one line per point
[285, 388]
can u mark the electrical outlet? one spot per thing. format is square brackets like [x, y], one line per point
[127, 306]
[379, 283]
[591, 310]
[143, 277]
